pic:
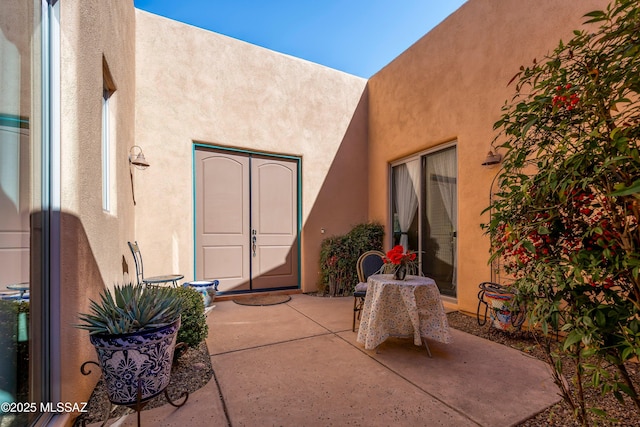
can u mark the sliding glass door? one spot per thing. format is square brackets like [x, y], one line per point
[25, 200]
[424, 212]
[439, 216]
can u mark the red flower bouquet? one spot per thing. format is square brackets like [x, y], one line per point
[400, 260]
[398, 256]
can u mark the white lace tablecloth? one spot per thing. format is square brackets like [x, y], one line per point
[402, 308]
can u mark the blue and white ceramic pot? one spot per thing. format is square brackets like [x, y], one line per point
[501, 315]
[141, 359]
[206, 288]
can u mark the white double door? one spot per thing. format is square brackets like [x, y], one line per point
[246, 220]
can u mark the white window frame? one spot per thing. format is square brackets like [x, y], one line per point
[106, 151]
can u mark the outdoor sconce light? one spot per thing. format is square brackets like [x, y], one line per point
[492, 159]
[136, 158]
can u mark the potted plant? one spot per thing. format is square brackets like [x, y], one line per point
[133, 330]
[400, 262]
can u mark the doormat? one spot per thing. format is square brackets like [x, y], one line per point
[263, 300]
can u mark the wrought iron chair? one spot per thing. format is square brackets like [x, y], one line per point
[369, 263]
[155, 280]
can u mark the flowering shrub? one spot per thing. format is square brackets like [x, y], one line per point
[565, 220]
[339, 256]
[564, 98]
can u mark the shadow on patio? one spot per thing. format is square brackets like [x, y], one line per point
[298, 364]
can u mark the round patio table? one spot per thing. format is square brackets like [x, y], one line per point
[402, 308]
[168, 278]
[21, 287]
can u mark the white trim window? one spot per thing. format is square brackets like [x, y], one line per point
[106, 152]
[108, 138]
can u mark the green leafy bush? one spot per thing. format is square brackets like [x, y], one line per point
[339, 256]
[566, 219]
[14, 358]
[193, 328]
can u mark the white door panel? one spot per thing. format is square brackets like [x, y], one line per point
[274, 208]
[222, 220]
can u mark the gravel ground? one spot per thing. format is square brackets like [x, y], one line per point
[193, 370]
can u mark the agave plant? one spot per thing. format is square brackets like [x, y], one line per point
[131, 308]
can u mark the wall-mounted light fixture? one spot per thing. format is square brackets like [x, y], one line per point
[136, 158]
[492, 159]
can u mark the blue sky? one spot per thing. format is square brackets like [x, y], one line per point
[356, 36]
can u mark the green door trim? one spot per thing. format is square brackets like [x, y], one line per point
[250, 153]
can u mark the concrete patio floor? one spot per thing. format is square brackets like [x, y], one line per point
[298, 364]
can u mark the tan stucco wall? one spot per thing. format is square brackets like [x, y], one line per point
[450, 85]
[193, 85]
[93, 242]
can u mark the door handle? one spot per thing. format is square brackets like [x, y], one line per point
[253, 243]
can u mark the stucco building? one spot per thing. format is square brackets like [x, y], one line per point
[243, 143]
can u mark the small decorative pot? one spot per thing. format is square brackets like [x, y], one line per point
[207, 289]
[499, 304]
[400, 273]
[137, 360]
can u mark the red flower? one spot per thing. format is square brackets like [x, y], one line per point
[560, 100]
[398, 256]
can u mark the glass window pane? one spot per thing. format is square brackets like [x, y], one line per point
[20, 201]
[404, 191]
[439, 218]
[106, 153]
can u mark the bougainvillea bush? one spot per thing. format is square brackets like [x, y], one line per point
[565, 219]
[339, 256]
